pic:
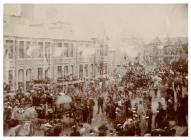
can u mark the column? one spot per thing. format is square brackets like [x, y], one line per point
[43, 72]
[44, 60]
[15, 63]
[63, 70]
[51, 61]
[76, 66]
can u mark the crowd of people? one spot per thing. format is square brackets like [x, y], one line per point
[127, 105]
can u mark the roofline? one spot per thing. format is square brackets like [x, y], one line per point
[53, 39]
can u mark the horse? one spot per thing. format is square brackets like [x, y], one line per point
[23, 129]
[24, 114]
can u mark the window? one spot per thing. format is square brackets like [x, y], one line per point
[66, 49]
[21, 49]
[10, 77]
[86, 70]
[71, 50]
[101, 50]
[105, 68]
[106, 50]
[92, 70]
[40, 74]
[65, 70]
[29, 74]
[101, 67]
[60, 44]
[47, 49]
[40, 48]
[59, 71]
[21, 78]
[28, 49]
[81, 71]
[72, 70]
[9, 49]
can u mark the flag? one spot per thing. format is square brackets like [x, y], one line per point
[30, 50]
[58, 51]
[46, 66]
[171, 72]
[85, 52]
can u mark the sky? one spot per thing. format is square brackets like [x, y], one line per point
[145, 21]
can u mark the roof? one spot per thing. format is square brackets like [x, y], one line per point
[22, 28]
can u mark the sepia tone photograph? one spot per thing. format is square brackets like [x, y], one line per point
[95, 70]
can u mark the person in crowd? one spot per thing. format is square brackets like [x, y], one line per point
[182, 111]
[102, 130]
[85, 112]
[170, 93]
[149, 118]
[91, 104]
[155, 86]
[140, 109]
[75, 132]
[137, 129]
[170, 109]
[100, 102]
[125, 107]
[160, 119]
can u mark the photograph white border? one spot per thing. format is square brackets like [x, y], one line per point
[85, 2]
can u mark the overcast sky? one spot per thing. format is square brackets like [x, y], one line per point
[128, 20]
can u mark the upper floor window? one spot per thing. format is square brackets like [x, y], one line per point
[66, 46]
[65, 70]
[47, 49]
[59, 71]
[60, 44]
[21, 49]
[40, 48]
[9, 49]
[28, 49]
[71, 50]
[106, 50]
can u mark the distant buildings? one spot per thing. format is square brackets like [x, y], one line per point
[165, 52]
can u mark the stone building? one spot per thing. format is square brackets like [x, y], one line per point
[27, 59]
[165, 51]
[38, 50]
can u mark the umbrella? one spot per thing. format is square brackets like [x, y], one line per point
[147, 134]
[11, 94]
[27, 94]
[46, 126]
[63, 99]
[39, 108]
[82, 131]
[87, 127]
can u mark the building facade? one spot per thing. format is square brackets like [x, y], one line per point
[27, 59]
[165, 52]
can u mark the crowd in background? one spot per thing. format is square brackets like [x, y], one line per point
[127, 104]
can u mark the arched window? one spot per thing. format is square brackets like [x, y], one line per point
[28, 74]
[21, 78]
